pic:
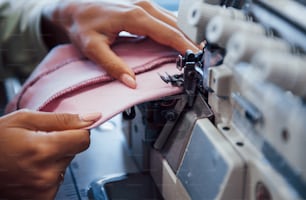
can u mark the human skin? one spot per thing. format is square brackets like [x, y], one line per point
[36, 148]
[93, 25]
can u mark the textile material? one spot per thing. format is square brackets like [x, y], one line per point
[65, 81]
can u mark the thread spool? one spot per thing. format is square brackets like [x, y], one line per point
[200, 13]
[285, 70]
[241, 46]
[220, 28]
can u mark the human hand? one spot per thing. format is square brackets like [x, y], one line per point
[36, 148]
[93, 26]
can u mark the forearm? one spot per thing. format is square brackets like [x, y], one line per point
[52, 34]
[58, 17]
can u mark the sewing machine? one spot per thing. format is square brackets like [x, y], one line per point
[238, 129]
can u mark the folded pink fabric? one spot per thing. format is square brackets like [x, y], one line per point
[65, 81]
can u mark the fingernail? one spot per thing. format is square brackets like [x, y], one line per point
[88, 117]
[128, 80]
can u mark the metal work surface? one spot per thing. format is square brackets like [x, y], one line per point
[106, 156]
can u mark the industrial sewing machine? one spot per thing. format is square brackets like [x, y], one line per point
[238, 129]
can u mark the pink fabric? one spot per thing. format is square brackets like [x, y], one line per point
[67, 82]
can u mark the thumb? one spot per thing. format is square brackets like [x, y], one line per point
[44, 121]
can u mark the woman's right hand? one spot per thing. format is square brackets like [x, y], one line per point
[93, 26]
[36, 148]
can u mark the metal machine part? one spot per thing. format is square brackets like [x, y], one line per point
[211, 167]
[251, 140]
[257, 93]
[137, 186]
[194, 16]
[237, 131]
[273, 67]
[221, 28]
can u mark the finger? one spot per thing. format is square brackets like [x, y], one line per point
[63, 163]
[44, 121]
[161, 14]
[145, 24]
[59, 167]
[66, 144]
[97, 48]
[50, 193]
[158, 12]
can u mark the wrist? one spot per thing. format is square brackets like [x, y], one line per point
[54, 22]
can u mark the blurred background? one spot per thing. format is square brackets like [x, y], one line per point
[168, 4]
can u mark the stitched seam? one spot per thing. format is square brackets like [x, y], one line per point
[152, 64]
[105, 78]
[35, 80]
